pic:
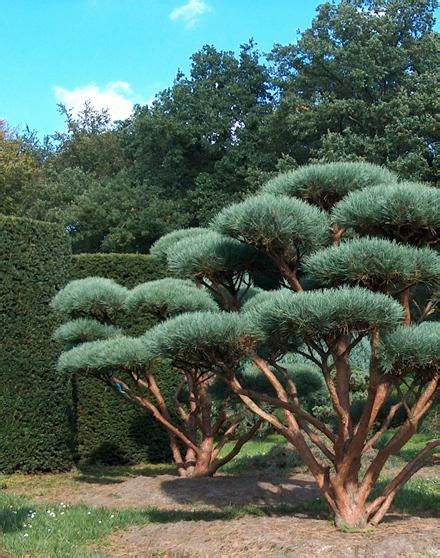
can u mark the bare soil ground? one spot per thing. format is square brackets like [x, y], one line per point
[168, 492]
[259, 537]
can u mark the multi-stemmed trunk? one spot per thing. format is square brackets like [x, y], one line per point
[338, 473]
[198, 436]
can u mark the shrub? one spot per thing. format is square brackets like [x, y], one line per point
[126, 269]
[382, 290]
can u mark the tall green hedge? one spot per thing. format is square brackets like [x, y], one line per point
[35, 400]
[127, 269]
[109, 430]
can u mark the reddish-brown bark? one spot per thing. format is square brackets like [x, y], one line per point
[196, 440]
[338, 473]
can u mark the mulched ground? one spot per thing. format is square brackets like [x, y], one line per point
[250, 536]
[169, 492]
[259, 537]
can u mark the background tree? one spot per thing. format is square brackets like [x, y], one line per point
[91, 143]
[197, 133]
[19, 170]
[360, 84]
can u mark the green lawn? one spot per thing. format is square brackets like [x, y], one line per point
[412, 448]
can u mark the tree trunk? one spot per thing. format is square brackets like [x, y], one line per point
[203, 465]
[352, 517]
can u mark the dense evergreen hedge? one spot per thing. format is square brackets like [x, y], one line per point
[108, 430]
[35, 428]
[127, 269]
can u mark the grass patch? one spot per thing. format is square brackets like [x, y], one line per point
[62, 531]
[42, 530]
[46, 484]
[412, 447]
[419, 497]
[271, 455]
[269, 458]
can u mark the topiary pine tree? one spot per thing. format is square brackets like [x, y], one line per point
[340, 287]
[94, 344]
[348, 250]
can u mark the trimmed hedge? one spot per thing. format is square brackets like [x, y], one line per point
[109, 430]
[126, 269]
[35, 414]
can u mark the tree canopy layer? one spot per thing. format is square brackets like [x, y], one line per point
[360, 84]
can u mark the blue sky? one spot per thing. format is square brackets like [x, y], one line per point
[120, 52]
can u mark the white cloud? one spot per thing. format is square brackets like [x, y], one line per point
[190, 13]
[118, 97]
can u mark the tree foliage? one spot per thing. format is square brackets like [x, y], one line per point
[198, 427]
[407, 212]
[378, 264]
[19, 170]
[374, 300]
[325, 325]
[358, 85]
[327, 183]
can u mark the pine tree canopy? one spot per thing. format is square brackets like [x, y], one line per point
[107, 355]
[202, 339]
[374, 263]
[210, 256]
[327, 183]
[278, 225]
[83, 330]
[159, 249]
[324, 314]
[93, 296]
[167, 297]
[414, 349]
[408, 212]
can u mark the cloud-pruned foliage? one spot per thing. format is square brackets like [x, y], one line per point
[327, 183]
[325, 313]
[277, 225]
[210, 256]
[408, 212]
[83, 330]
[165, 298]
[414, 349]
[159, 250]
[375, 263]
[93, 296]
